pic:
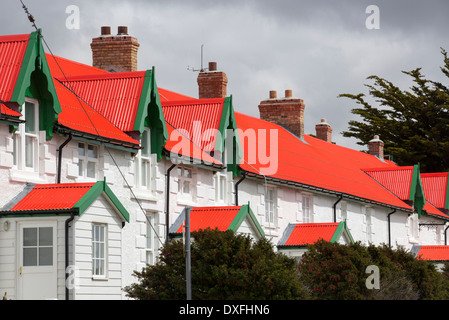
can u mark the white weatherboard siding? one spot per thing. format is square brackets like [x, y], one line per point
[89, 287]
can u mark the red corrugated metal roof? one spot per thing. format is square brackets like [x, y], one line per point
[398, 180]
[114, 95]
[309, 233]
[433, 253]
[435, 188]
[8, 111]
[167, 95]
[212, 217]
[79, 116]
[314, 163]
[53, 196]
[198, 119]
[12, 51]
[186, 148]
[69, 67]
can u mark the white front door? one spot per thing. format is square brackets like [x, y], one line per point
[37, 276]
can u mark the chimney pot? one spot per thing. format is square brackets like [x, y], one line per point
[212, 66]
[105, 30]
[212, 84]
[376, 147]
[288, 93]
[285, 112]
[122, 30]
[324, 131]
[114, 53]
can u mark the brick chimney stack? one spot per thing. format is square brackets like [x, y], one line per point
[212, 83]
[324, 131]
[288, 112]
[376, 147]
[115, 53]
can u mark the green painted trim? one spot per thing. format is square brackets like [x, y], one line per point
[38, 213]
[142, 109]
[342, 227]
[244, 211]
[228, 121]
[446, 205]
[116, 202]
[154, 118]
[28, 66]
[97, 189]
[89, 197]
[35, 80]
[417, 191]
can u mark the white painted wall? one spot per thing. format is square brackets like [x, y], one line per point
[133, 244]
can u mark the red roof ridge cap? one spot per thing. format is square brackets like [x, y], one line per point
[192, 101]
[103, 76]
[397, 168]
[15, 37]
[317, 224]
[435, 174]
[64, 185]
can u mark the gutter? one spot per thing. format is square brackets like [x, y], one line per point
[60, 156]
[389, 227]
[167, 202]
[91, 137]
[237, 189]
[335, 207]
[321, 190]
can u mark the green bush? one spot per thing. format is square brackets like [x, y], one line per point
[224, 266]
[334, 271]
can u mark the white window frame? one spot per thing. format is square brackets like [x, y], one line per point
[183, 181]
[270, 206]
[413, 228]
[369, 224]
[20, 140]
[85, 159]
[98, 257]
[145, 169]
[151, 236]
[221, 187]
[307, 208]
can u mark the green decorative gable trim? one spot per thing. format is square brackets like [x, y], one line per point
[244, 211]
[417, 191]
[233, 147]
[342, 228]
[94, 192]
[150, 115]
[35, 81]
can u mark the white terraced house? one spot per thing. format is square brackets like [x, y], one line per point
[99, 165]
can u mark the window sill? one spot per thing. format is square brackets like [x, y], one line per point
[82, 179]
[99, 278]
[185, 201]
[26, 176]
[144, 194]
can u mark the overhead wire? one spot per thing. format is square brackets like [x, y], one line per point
[70, 88]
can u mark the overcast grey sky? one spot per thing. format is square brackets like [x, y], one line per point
[318, 49]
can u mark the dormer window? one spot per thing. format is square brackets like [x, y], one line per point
[26, 138]
[145, 164]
